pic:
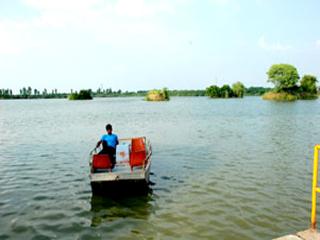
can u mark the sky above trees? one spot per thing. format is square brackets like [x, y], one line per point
[140, 44]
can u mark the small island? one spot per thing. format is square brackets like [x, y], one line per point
[82, 95]
[158, 95]
[285, 77]
[237, 91]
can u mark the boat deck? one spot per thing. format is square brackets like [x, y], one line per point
[121, 171]
[304, 235]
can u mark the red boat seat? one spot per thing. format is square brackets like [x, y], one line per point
[101, 161]
[138, 152]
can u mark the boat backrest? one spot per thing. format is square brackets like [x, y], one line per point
[101, 161]
[138, 144]
[138, 152]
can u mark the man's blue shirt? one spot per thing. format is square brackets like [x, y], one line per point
[111, 139]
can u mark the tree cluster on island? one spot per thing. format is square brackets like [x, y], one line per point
[237, 91]
[287, 87]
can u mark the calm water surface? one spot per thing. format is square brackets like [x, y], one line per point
[222, 169]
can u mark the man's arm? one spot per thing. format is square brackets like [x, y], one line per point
[98, 143]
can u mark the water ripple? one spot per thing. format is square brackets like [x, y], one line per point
[221, 169]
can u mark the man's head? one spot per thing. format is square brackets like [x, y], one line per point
[109, 128]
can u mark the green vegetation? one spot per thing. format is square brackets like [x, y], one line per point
[256, 91]
[226, 91]
[142, 93]
[187, 93]
[308, 84]
[29, 93]
[279, 96]
[82, 95]
[285, 77]
[238, 89]
[158, 95]
[24, 93]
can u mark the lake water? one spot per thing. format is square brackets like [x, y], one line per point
[222, 169]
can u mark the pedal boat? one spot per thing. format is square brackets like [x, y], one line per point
[130, 173]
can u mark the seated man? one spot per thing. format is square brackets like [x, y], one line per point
[104, 149]
[110, 142]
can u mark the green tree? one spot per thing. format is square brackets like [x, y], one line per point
[226, 91]
[29, 91]
[238, 89]
[165, 93]
[308, 84]
[24, 92]
[213, 91]
[283, 76]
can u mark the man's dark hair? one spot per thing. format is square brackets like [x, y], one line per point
[108, 127]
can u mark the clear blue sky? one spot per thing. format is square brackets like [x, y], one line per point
[144, 44]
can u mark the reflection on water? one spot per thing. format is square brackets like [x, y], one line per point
[105, 209]
[223, 169]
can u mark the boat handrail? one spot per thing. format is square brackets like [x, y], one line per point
[129, 139]
[315, 188]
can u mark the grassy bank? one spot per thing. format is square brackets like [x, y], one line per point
[158, 95]
[279, 96]
[285, 96]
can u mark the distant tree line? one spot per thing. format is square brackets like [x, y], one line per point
[225, 90]
[141, 93]
[117, 93]
[256, 91]
[29, 93]
[187, 93]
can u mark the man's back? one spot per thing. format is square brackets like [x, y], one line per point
[111, 139]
